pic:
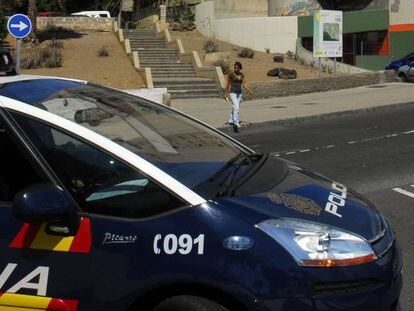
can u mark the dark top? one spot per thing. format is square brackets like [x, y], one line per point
[235, 83]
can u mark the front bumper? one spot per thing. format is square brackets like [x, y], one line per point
[374, 287]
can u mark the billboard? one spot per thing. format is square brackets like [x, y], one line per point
[327, 34]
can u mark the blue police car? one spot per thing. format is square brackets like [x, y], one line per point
[112, 202]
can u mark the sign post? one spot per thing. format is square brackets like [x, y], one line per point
[19, 26]
[327, 35]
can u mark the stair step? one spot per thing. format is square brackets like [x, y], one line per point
[160, 52]
[173, 75]
[189, 86]
[170, 67]
[189, 96]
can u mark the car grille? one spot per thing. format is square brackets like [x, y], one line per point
[335, 288]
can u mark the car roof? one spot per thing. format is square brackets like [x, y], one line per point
[17, 78]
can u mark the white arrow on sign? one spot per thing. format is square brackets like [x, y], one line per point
[21, 26]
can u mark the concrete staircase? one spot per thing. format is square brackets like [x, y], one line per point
[167, 70]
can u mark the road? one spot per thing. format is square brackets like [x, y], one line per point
[371, 152]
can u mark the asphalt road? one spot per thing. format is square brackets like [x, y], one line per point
[371, 152]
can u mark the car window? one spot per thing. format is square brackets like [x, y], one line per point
[16, 171]
[184, 149]
[100, 183]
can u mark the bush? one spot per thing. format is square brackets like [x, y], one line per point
[55, 44]
[31, 62]
[211, 46]
[246, 53]
[267, 51]
[50, 57]
[3, 28]
[224, 64]
[103, 51]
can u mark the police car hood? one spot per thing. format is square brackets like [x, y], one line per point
[311, 197]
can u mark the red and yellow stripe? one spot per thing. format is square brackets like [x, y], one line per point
[35, 237]
[18, 302]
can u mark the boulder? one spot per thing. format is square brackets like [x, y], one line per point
[278, 59]
[287, 73]
[273, 72]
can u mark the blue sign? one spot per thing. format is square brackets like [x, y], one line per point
[19, 26]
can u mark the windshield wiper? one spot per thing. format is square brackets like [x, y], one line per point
[253, 157]
[229, 179]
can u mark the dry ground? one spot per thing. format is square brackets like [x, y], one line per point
[254, 69]
[80, 61]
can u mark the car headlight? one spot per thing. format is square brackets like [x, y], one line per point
[318, 245]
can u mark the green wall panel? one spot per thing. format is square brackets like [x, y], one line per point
[401, 43]
[372, 62]
[358, 21]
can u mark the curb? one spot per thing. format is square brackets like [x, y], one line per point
[301, 120]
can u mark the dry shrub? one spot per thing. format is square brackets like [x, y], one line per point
[50, 57]
[224, 64]
[103, 51]
[246, 53]
[211, 46]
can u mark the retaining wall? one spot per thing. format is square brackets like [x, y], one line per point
[279, 34]
[77, 23]
[295, 87]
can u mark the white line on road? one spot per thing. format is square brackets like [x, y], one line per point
[352, 142]
[405, 192]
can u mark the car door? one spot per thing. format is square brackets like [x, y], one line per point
[38, 269]
[122, 209]
[410, 72]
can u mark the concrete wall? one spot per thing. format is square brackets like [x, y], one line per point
[77, 23]
[205, 18]
[279, 34]
[305, 7]
[401, 12]
[240, 8]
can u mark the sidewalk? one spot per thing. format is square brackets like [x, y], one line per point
[296, 108]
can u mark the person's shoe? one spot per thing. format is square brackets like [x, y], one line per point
[236, 128]
[230, 123]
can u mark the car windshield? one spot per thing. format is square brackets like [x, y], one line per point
[185, 149]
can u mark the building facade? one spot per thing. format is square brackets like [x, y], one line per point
[375, 31]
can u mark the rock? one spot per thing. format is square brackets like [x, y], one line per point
[287, 73]
[273, 73]
[278, 59]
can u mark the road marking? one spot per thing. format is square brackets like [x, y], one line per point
[404, 192]
[352, 142]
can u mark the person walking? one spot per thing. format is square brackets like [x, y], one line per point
[236, 82]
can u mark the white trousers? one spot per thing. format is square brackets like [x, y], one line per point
[236, 100]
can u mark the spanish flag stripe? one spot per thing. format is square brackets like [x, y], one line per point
[25, 236]
[12, 302]
[83, 239]
[7, 308]
[51, 242]
[62, 305]
[35, 237]
[24, 301]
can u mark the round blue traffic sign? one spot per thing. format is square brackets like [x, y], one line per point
[19, 26]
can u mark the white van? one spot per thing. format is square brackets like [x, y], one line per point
[92, 14]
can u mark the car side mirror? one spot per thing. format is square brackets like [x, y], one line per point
[45, 202]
